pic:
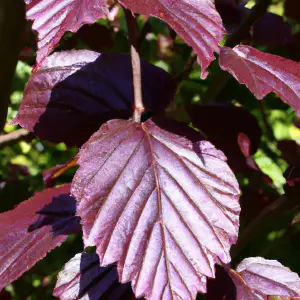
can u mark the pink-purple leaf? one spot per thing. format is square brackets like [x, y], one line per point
[83, 278]
[162, 207]
[256, 278]
[196, 21]
[263, 73]
[74, 92]
[32, 229]
[52, 18]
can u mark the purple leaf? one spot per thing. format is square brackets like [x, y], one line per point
[196, 21]
[290, 151]
[263, 73]
[33, 228]
[87, 33]
[272, 30]
[83, 278]
[52, 18]
[222, 125]
[74, 92]
[162, 207]
[256, 277]
[231, 13]
[222, 287]
[292, 9]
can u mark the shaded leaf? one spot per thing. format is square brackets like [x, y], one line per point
[271, 29]
[83, 278]
[256, 278]
[87, 34]
[33, 228]
[222, 125]
[231, 13]
[196, 21]
[53, 18]
[292, 9]
[11, 26]
[222, 287]
[164, 208]
[291, 153]
[263, 73]
[74, 92]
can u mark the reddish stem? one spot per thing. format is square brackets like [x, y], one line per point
[133, 37]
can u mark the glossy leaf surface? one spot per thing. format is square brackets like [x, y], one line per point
[263, 73]
[256, 278]
[196, 21]
[33, 228]
[164, 208]
[74, 92]
[83, 278]
[55, 17]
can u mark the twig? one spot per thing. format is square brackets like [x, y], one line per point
[14, 137]
[133, 37]
[222, 77]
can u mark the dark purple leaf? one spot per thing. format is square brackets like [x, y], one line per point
[196, 21]
[222, 287]
[291, 153]
[222, 125]
[74, 92]
[83, 278]
[53, 18]
[32, 229]
[87, 34]
[263, 73]
[292, 9]
[256, 278]
[231, 13]
[293, 47]
[272, 30]
[164, 208]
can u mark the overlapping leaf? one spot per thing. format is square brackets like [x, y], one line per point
[74, 92]
[53, 18]
[256, 278]
[196, 21]
[33, 228]
[164, 208]
[270, 29]
[83, 278]
[263, 73]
